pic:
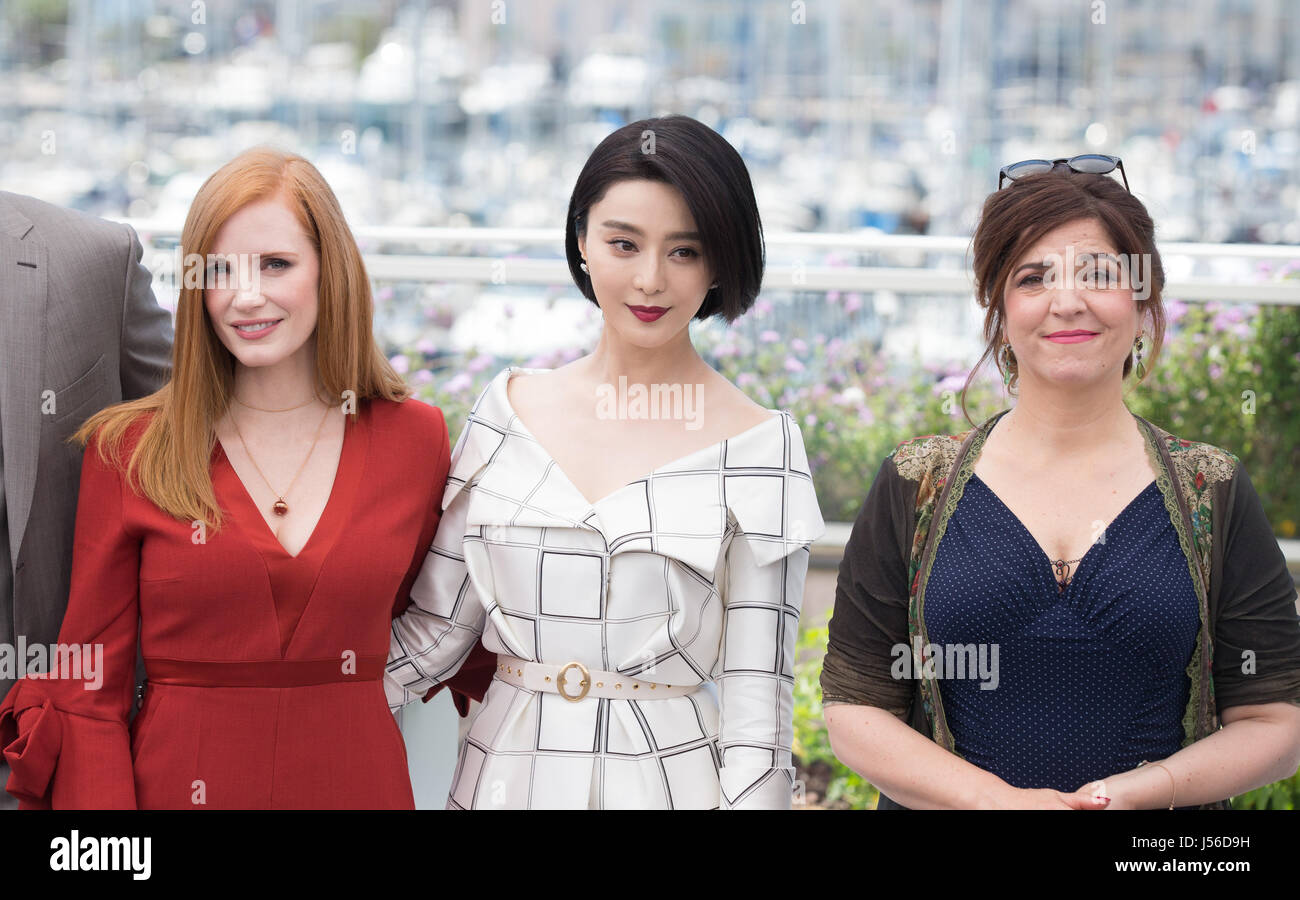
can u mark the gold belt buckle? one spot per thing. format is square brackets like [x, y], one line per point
[585, 682]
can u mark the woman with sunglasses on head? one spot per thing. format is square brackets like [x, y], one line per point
[257, 523]
[1124, 584]
[616, 560]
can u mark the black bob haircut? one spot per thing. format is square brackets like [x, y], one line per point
[713, 180]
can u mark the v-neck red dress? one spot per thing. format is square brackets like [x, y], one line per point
[265, 670]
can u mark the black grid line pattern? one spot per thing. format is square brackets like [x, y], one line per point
[691, 575]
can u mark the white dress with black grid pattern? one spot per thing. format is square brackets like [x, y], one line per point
[689, 575]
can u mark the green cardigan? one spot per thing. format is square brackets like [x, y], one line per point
[1248, 647]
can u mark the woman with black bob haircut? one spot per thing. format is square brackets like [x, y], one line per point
[712, 179]
[629, 532]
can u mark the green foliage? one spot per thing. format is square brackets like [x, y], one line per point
[836, 783]
[1278, 795]
[1230, 376]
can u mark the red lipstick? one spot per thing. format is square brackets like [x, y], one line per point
[648, 313]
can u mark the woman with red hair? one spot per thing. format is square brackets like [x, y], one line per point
[257, 523]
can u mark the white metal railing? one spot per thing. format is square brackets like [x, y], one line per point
[487, 269]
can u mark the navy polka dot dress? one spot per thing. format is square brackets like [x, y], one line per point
[1089, 682]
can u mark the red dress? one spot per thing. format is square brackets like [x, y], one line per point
[265, 670]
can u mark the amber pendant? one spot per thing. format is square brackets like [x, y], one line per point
[281, 508]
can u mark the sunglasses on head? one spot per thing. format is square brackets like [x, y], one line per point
[1086, 163]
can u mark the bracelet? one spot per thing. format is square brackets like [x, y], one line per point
[1173, 785]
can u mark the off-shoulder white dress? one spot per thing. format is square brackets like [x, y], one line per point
[689, 575]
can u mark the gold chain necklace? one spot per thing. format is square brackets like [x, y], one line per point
[280, 507]
[264, 409]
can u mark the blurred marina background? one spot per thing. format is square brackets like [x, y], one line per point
[452, 133]
[861, 122]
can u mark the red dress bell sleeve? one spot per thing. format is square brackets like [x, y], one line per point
[471, 681]
[65, 737]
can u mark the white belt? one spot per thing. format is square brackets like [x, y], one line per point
[574, 681]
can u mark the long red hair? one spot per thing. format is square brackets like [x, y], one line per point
[169, 464]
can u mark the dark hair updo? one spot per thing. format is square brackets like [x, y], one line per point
[1017, 216]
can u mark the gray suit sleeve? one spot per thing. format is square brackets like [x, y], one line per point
[146, 343]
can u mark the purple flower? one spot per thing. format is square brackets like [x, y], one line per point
[458, 384]
[810, 420]
[401, 365]
[426, 346]
[769, 337]
[762, 308]
[1175, 310]
[745, 379]
[793, 365]
[479, 363]
[1216, 372]
[853, 303]
[799, 346]
[952, 383]
[423, 376]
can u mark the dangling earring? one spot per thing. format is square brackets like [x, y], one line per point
[1008, 359]
[1137, 361]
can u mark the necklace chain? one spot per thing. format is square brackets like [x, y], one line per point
[264, 409]
[1061, 566]
[280, 507]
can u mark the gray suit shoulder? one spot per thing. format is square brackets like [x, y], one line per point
[52, 223]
